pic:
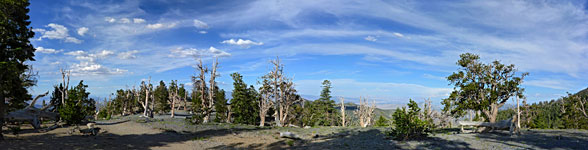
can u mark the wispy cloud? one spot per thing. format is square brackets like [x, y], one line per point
[380, 90]
[196, 53]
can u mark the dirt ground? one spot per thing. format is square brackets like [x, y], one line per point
[166, 133]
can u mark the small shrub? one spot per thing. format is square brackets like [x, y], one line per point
[382, 122]
[408, 124]
[103, 114]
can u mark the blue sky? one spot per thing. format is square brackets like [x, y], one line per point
[388, 51]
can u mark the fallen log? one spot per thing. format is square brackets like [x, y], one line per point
[289, 135]
[500, 125]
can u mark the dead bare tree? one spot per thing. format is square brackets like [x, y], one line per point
[210, 104]
[580, 104]
[200, 86]
[428, 113]
[147, 87]
[64, 74]
[365, 113]
[289, 97]
[277, 77]
[173, 95]
[342, 111]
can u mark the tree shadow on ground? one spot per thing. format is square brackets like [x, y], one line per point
[351, 139]
[440, 143]
[101, 141]
[111, 123]
[544, 139]
[106, 140]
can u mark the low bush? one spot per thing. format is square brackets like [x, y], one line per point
[408, 125]
[382, 122]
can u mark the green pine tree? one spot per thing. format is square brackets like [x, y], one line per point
[161, 98]
[15, 51]
[244, 103]
[220, 105]
[78, 105]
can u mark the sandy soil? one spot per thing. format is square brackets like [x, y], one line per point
[166, 133]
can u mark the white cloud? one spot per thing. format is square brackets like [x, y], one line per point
[371, 38]
[128, 54]
[192, 52]
[47, 50]
[218, 53]
[92, 68]
[241, 42]
[76, 53]
[125, 20]
[155, 26]
[58, 32]
[138, 20]
[200, 24]
[109, 19]
[202, 32]
[102, 54]
[82, 31]
[398, 34]
[88, 64]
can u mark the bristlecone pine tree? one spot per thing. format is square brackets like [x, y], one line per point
[266, 102]
[482, 87]
[365, 113]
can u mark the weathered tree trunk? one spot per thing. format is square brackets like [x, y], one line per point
[202, 79]
[342, 111]
[262, 121]
[146, 106]
[173, 103]
[276, 74]
[518, 115]
[229, 113]
[264, 106]
[211, 95]
[152, 110]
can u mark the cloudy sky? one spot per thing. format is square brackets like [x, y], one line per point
[389, 51]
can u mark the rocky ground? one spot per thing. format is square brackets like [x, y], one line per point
[133, 132]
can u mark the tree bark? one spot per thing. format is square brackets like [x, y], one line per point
[211, 91]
